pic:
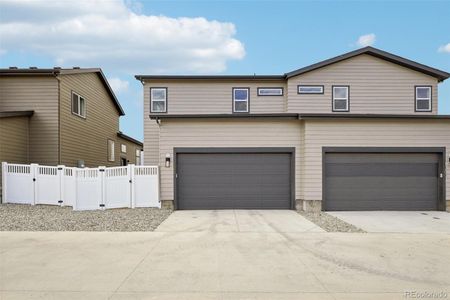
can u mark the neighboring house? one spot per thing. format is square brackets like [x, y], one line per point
[61, 117]
[359, 131]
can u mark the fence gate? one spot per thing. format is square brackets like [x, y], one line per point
[48, 185]
[146, 188]
[89, 189]
[18, 184]
[117, 187]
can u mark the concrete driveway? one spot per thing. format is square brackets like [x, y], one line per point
[223, 261]
[269, 221]
[397, 221]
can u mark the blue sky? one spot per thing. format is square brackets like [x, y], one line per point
[215, 37]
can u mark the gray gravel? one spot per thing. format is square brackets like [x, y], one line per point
[329, 223]
[17, 217]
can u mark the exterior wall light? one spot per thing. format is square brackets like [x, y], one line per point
[167, 164]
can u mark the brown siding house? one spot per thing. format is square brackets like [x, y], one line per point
[360, 131]
[59, 117]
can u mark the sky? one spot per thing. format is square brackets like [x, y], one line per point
[129, 37]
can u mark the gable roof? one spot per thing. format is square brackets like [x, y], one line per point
[59, 71]
[438, 74]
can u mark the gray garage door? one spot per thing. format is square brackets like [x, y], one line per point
[234, 180]
[381, 181]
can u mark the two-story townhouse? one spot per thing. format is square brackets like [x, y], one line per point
[360, 131]
[62, 117]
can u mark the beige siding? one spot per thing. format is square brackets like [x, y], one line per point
[86, 139]
[38, 93]
[151, 133]
[13, 141]
[360, 133]
[130, 155]
[215, 97]
[223, 133]
[376, 87]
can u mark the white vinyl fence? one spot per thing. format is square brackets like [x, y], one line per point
[82, 188]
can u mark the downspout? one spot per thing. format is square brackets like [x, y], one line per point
[56, 74]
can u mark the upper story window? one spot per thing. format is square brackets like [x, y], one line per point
[269, 91]
[123, 148]
[158, 100]
[310, 89]
[423, 98]
[341, 98]
[241, 100]
[78, 105]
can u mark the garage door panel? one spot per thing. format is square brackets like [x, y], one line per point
[381, 181]
[382, 169]
[233, 180]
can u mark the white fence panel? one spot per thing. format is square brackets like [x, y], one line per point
[47, 185]
[117, 187]
[18, 184]
[84, 189]
[89, 191]
[146, 186]
[69, 186]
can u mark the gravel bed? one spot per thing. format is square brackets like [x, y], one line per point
[329, 223]
[17, 217]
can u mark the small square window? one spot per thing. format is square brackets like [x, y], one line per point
[123, 148]
[78, 105]
[241, 97]
[341, 98]
[158, 100]
[423, 98]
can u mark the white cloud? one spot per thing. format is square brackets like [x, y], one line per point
[444, 48]
[366, 40]
[113, 34]
[118, 85]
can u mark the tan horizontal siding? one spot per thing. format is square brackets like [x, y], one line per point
[215, 97]
[40, 94]
[376, 86]
[151, 134]
[367, 133]
[223, 133]
[86, 139]
[13, 141]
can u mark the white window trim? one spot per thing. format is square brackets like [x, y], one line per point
[278, 91]
[347, 99]
[429, 99]
[79, 105]
[123, 148]
[151, 99]
[246, 100]
[299, 87]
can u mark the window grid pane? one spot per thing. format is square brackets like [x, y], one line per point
[158, 100]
